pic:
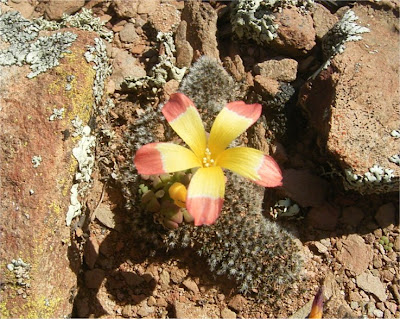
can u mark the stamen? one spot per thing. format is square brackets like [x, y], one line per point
[207, 160]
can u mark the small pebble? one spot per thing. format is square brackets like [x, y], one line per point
[10, 267]
[378, 313]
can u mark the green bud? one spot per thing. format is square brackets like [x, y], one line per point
[153, 206]
[385, 240]
[160, 193]
[147, 197]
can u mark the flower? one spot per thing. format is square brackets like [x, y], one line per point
[206, 190]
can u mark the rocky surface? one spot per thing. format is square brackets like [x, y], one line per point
[36, 174]
[350, 243]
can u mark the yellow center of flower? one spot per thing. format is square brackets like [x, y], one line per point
[208, 161]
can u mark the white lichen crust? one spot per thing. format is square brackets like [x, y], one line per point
[334, 41]
[98, 55]
[254, 19]
[25, 47]
[162, 72]
[378, 179]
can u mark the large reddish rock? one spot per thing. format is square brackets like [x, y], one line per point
[354, 104]
[201, 33]
[35, 200]
[296, 34]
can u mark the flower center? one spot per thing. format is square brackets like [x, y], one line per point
[207, 159]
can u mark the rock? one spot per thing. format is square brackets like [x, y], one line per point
[352, 215]
[105, 215]
[391, 306]
[164, 279]
[323, 20]
[82, 307]
[386, 215]
[371, 284]
[296, 34]
[26, 8]
[148, 6]
[151, 301]
[125, 65]
[321, 248]
[161, 302]
[202, 19]
[191, 285]
[54, 9]
[324, 217]
[178, 276]
[304, 188]
[237, 303]
[185, 310]
[94, 278]
[234, 65]
[353, 106]
[35, 227]
[282, 69]
[355, 255]
[396, 245]
[184, 51]
[165, 18]
[91, 251]
[132, 279]
[265, 86]
[144, 310]
[128, 33]
[126, 8]
[226, 313]
[127, 311]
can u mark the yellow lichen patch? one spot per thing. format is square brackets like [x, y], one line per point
[80, 95]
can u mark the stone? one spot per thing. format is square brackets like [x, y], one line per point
[126, 8]
[105, 215]
[396, 244]
[296, 34]
[184, 51]
[151, 301]
[125, 65]
[304, 187]
[378, 313]
[178, 276]
[266, 86]
[145, 310]
[128, 33]
[371, 284]
[132, 279]
[127, 311]
[186, 310]
[54, 9]
[353, 105]
[237, 303]
[226, 313]
[94, 278]
[386, 215]
[391, 306]
[352, 215]
[282, 69]
[191, 285]
[91, 251]
[26, 8]
[161, 302]
[164, 279]
[165, 18]
[35, 227]
[202, 34]
[148, 6]
[323, 20]
[355, 254]
[323, 217]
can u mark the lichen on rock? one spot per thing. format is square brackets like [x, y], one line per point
[25, 47]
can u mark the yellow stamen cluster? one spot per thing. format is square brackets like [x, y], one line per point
[207, 159]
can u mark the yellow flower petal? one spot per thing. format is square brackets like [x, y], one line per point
[159, 158]
[206, 195]
[184, 118]
[252, 164]
[232, 121]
